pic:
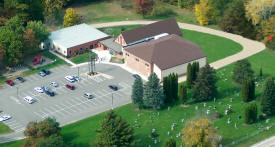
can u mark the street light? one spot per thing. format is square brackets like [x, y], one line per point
[78, 71]
[17, 89]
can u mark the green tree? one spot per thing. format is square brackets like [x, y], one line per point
[189, 77]
[242, 71]
[52, 141]
[248, 90]
[195, 71]
[183, 94]
[170, 143]
[268, 97]
[71, 18]
[137, 93]
[153, 93]
[170, 87]
[114, 131]
[52, 8]
[261, 72]
[31, 45]
[205, 84]
[180, 4]
[236, 13]
[251, 113]
[40, 30]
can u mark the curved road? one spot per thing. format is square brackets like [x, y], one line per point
[250, 47]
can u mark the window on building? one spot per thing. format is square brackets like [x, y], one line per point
[70, 52]
[137, 59]
[91, 46]
[58, 49]
[147, 64]
[81, 49]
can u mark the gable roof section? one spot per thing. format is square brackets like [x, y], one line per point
[167, 52]
[169, 26]
[76, 35]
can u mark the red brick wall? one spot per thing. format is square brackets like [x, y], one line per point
[139, 66]
[86, 46]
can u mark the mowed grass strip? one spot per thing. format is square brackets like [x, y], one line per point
[4, 129]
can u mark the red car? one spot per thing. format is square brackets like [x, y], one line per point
[10, 82]
[70, 86]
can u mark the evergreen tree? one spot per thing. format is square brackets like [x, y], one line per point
[170, 143]
[183, 94]
[195, 70]
[242, 71]
[268, 97]
[251, 113]
[180, 4]
[114, 131]
[189, 75]
[236, 13]
[170, 90]
[205, 85]
[166, 87]
[261, 72]
[153, 93]
[137, 93]
[248, 90]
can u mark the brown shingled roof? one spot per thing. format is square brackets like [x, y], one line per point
[167, 52]
[169, 26]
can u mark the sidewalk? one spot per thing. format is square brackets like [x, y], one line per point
[63, 58]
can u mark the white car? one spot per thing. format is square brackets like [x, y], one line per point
[54, 84]
[70, 79]
[29, 99]
[88, 95]
[4, 118]
[76, 78]
[39, 89]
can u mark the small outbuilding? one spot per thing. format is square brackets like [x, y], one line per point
[76, 39]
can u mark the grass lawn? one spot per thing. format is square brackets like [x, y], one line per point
[82, 58]
[4, 129]
[214, 47]
[83, 133]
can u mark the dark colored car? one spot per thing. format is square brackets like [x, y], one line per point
[70, 86]
[10, 82]
[47, 72]
[48, 91]
[20, 79]
[136, 76]
[113, 87]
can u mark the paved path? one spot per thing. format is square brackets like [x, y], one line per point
[250, 47]
[270, 142]
[63, 58]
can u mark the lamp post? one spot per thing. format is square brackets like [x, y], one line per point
[78, 71]
[17, 89]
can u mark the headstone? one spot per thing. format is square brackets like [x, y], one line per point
[182, 120]
[214, 107]
[239, 117]
[169, 108]
[231, 100]
[153, 130]
[168, 133]
[155, 141]
[267, 121]
[235, 125]
[226, 112]
[229, 120]
[207, 112]
[158, 113]
[220, 145]
[196, 107]
[214, 100]
[229, 106]
[204, 104]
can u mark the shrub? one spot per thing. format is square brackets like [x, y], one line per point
[271, 43]
[250, 114]
[162, 12]
[217, 115]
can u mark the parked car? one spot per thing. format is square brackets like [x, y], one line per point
[70, 86]
[54, 84]
[48, 91]
[76, 78]
[20, 79]
[10, 82]
[113, 87]
[47, 72]
[29, 99]
[70, 79]
[39, 89]
[4, 118]
[88, 95]
[42, 74]
[136, 76]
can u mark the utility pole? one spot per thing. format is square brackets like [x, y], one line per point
[78, 71]
[112, 102]
[17, 89]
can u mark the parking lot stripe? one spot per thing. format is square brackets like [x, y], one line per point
[15, 99]
[56, 111]
[60, 108]
[67, 108]
[79, 103]
[10, 122]
[20, 130]
[70, 106]
[38, 114]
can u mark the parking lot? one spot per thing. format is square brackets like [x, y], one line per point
[67, 105]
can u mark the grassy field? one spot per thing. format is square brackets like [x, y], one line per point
[214, 47]
[83, 133]
[4, 129]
